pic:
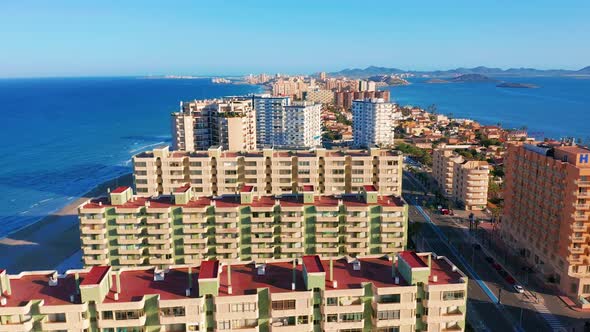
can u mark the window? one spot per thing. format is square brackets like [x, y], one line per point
[351, 317]
[586, 289]
[453, 295]
[283, 305]
[332, 301]
[173, 312]
[107, 315]
[388, 329]
[224, 325]
[243, 307]
[388, 314]
[391, 298]
[332, 318]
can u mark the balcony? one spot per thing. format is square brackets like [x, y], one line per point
[324, 229]
[90, 241]
[262, 229]
[226, 239]
[228, 230]
[293, 238]
[119, 220]
[133, 240]
[583, 183]
[580, 217]
[114, 324]
[321, 250]
[355, 229]
[225, 220]
[194, 230]
[577, 239]
[190, 250]
[228, 250]
[92, 221]
[94, 230]
[158, 220]
[195, 240]
[90, 251]
[582, 206]
[262, 239]
[583, 194]
[194, 220]
[356, 250]
[326, 239]
[160, 261]
[334, 219]
[89, 260]
[129, 231]
[263, 250]
[152, 230]
[133, 251]
[292, 250]
[352, 239]
[392, 219]
[578, 228]
[391, 228]
[131, 261]
[159, 240]
[163, 250]
[575, 250]
[262, 219]
[291, 219]
[337, 326]
[391, 239]
[24, 326]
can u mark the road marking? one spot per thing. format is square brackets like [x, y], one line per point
[551, 320]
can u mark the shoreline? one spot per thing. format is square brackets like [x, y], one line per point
[48, 242]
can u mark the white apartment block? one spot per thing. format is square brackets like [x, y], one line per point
[229, 123]
[303, 127]
[218, 172]
[373, 122]
[270, 119]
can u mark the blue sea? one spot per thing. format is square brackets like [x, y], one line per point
[62, 137]
[560, 107]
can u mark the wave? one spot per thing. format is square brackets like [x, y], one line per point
[146, 146]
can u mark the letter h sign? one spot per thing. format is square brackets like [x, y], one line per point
[584, 158]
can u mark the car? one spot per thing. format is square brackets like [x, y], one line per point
[503, 273]
[489, 259]
[445, 212]
[518, 288]
[497, 266]
[510, 280]
[477, 246]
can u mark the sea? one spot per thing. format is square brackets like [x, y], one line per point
[63, 136]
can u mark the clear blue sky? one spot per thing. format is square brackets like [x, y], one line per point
[77, 38]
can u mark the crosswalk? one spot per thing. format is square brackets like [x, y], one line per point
[551, 320]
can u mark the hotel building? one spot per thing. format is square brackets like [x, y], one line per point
[127, 230]
[373, 122]
[407, 292]
[270, 172]
[464, 181]
[229, 123]
[547, 212]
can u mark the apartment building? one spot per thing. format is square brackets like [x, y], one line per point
[319, 96]
[547, 210]
[464, 181]
[344, 98]
[228, 122]
[373, 122]
[303, 125]
[270, 172]
[405, 292]
[270, 119]
[127, 230]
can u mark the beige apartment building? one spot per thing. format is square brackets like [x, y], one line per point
[229, 123]
[464, 181]
[547, 212]
[183, 228]
[405, 292]
[270, 172]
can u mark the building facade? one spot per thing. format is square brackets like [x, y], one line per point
[270, 172]
[229, 122]
[373, 122]
[409, 292]
[547, 212]
[464, 181]
[270, 119]
[127, 230]
[303, 125]
[320, 96]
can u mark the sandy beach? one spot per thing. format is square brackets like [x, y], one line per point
[52, 240]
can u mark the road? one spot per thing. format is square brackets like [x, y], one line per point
[483, 313]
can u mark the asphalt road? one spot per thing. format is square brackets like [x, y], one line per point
[483, 314]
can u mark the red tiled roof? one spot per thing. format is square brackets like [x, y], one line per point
[307, 188]
[313, 264]
[247, 189]
[412, 259]
[95, 276]
[370, 188]
[183, 189]
[119, 190]
[36, 287]
[209, 269]
[137, 283]
[277, 278]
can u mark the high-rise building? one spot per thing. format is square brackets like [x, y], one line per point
[270, 172]
[307, 294]
[319, 96]
[183, 228]
[373, 122]
[229, 122]
[547, 212]
[322, 76]
[464, 181]
[303, 125]
[270, 119]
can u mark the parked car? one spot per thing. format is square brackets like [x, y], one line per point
[446, 212]
[497, 266]
[489, 259]
[477, 246]
[518, 289]
[510, 280]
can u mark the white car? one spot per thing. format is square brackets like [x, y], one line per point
[518, 289]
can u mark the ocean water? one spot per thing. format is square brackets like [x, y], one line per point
[62, 137]
[560, 107]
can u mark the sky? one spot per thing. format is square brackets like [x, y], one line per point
[121, 38]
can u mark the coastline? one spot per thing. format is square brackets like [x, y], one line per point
[47, 243]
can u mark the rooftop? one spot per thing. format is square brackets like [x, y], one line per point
[412, 259]
[95, 276]
[119, 190]
[209, 270]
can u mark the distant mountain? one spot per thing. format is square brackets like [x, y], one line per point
[375, 71]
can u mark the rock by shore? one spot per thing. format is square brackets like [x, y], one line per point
[517, 85]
